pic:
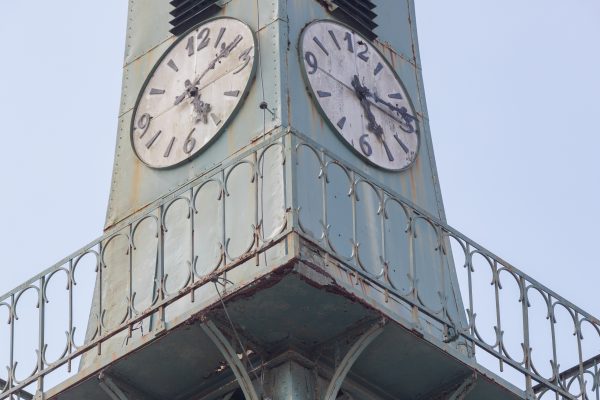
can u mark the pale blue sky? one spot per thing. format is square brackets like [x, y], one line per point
[512, 89]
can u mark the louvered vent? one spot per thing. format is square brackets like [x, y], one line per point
[188, 13]
[358, 14]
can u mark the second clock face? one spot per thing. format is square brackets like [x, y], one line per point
[360, 94]
[192, 92]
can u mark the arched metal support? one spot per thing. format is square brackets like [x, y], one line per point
[465, 388]
[118, 389]
[232, 359]
[350, 358]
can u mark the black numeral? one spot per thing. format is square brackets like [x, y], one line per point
[143, 123]
[190, 46]
[365, 146]
[245, 57]
[204, 39]
[363, 54]
[189, 143]
[348, 38]
[311, 60]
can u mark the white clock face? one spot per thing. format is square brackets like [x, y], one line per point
[192, 92]
[360, 94]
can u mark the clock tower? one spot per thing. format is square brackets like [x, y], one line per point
[275, 230]
[272, 188]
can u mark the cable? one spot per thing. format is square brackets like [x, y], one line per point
[237, 337]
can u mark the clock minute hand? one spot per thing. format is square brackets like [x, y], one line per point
[402, 111]
[225, 51]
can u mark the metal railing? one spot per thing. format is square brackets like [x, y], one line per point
[566, 334]
[114, 269]
[406, 236]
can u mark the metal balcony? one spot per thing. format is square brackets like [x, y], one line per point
[520, 336]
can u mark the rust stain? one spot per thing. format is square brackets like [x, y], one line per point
[314, 114]
[392, 58]
[413, 186]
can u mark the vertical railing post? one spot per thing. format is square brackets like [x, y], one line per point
[39, 395]
[449, 328]
[526, 343]
[224, 194]
[99, 273]
[71, 337]
[412, 269]
[579, 336]
[471, 311]
[192, 211]
[353, 200]
[596, 382]
[258, 217]
[161, 325]
[325, 176]
[130, 296]
[11, 369]
[499, 332]
[554, 362]
[383, 250]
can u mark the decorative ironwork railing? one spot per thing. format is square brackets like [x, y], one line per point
[131, 275]
[507, 311]
[517, 327]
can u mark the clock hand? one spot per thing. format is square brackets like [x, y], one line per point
[407, 118]
[402, 111]
[225, 51]
[186, 92]
[362, 92]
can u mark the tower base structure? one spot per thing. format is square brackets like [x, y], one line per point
[298, 331]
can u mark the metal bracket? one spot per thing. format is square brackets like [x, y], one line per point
[465, 388]
[350, 358]
[119, 390]
[110, 388]
[232, 359]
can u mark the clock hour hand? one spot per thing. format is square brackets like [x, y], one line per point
[190, 90]
[362, 93]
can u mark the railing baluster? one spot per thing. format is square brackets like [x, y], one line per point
[71, 336]
[41, 331]
[526, 343]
